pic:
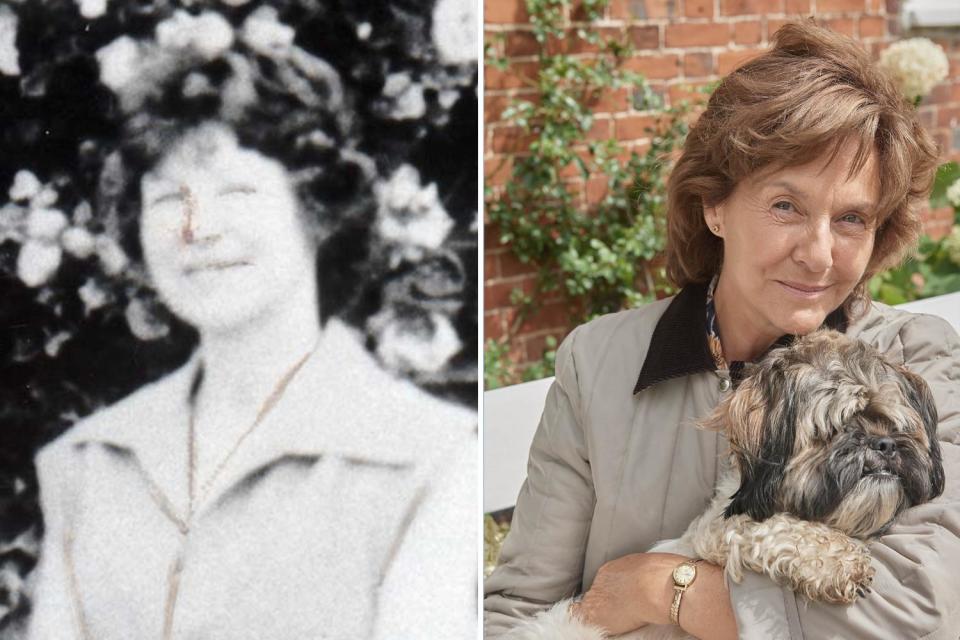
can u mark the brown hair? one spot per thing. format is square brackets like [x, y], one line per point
[813, 91]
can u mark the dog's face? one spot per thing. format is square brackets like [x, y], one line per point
[829, 431]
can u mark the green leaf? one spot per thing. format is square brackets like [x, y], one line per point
[947, 174]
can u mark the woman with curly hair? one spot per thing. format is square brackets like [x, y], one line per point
[281, 483]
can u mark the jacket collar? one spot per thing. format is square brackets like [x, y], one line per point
[338, 403]
[679, 347]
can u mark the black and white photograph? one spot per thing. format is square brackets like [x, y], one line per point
[238, 273]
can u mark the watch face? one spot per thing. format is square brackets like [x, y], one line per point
[684, 574]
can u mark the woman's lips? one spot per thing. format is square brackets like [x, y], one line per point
[215, 265]
[803, 290]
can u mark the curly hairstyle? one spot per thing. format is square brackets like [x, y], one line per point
[812, 92]
[351, 97]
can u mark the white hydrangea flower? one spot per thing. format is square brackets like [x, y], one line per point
[37, 262]
[208, 34]
[25, 186]
[407, 95]
[143, 324]
[119, 62]
[953, 194]
[917, 65]
[263, 32]
[112, 258]
[45, 224]
[92, 9]
[46, 198]
[405, 348]
[409, 214]
[78, 242]
[455, 30]
[93, 296]
[9, 56]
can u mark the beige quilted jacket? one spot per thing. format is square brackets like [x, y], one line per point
[616, 465]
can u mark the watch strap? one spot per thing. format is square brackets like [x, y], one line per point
[675, 607]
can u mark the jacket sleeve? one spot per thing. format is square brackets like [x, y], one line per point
[541, 561]
[430, 590]
[916, 591]
[53, 616]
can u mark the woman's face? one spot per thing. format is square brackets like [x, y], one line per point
[221, 233]
[796, 242]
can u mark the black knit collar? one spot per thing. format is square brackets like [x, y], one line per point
[678, 346]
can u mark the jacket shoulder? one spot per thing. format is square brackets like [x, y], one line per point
[612, 347]
[903, 336]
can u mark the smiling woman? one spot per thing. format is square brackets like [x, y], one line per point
[251, 180]
[223, 235]
[799, 181]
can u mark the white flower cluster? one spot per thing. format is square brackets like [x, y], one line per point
[410, 218]
[44, 232]
[423, 345]
[917, 65]
[953, 194]
[455, 30]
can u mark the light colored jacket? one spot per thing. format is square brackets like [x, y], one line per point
[612, 471]
[350, 512]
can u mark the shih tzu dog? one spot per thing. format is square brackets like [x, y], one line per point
[829, 443]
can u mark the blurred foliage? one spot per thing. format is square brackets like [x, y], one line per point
[499, 370]
[934, 268]
[494, 533]
[599, 256]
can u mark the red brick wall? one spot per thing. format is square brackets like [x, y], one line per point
[679, 43]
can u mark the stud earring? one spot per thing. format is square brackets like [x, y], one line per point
[715, 229]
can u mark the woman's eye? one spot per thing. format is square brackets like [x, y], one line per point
[783, 205]
[236, 191]
[852, 218]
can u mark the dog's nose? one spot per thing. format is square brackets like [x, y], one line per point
[884, 445]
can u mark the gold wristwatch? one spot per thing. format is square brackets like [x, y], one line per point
[683, 577]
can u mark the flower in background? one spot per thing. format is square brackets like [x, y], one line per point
[423, 344]
[37, 262]
[9, 56]
[410, 216]
[454, 31]
[91, 9]
[143, 321]
[406, 97]
[917, 65]
[951, 244]
[93, 296]
[953, 194]
[206, 35]
[264, 33]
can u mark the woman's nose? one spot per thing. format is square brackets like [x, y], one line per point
[198, 225]
[815, 249]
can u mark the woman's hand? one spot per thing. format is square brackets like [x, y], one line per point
[630, 592]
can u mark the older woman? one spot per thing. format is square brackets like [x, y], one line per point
[281, 483]
[799, 182]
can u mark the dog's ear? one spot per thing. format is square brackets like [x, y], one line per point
[921, 399]
[761, 427]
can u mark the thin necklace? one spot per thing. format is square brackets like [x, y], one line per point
[195, 497]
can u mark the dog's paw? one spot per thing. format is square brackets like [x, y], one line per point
[841, 572]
